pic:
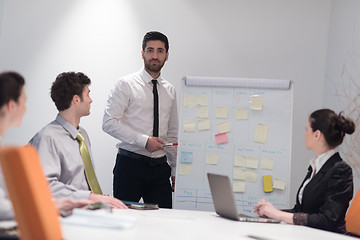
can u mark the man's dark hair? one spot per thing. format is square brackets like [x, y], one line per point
[153, 36]
[11, 84]
[66, 86]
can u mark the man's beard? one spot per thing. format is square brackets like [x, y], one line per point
[153, 68]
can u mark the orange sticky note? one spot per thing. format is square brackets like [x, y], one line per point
[267, 181]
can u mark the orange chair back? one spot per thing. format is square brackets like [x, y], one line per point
[35, 212]
[352, 217]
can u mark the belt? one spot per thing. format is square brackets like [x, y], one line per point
[147, 160]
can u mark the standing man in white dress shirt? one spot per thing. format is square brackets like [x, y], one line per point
[141, 113]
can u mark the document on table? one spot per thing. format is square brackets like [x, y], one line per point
[98, 218]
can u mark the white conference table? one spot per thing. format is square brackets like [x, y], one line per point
[171, 224]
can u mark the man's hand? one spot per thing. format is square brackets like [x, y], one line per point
[154, 144]
[113, 202]
[66, 204]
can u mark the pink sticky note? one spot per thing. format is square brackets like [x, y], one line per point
[221, 138]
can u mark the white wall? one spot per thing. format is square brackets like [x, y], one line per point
[342, 84]
[284, 39]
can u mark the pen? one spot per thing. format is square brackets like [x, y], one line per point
[171, 144]
[257, 237]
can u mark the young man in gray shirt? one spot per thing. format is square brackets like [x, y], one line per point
[61, 147]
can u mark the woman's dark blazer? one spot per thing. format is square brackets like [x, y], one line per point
[326, 197]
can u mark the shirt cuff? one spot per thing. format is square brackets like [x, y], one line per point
[81, 194]
[173, 171]
[142, 140]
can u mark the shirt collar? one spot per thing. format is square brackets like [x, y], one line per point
[317, 163]
[146, 77]
[67, 126]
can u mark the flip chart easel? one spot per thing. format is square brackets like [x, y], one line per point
[238, 127]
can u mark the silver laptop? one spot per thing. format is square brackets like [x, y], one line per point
[224, 202]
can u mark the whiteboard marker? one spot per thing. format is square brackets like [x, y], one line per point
[171, 144]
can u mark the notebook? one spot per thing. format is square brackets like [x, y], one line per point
[224, 201]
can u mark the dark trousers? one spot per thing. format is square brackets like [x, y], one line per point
[136, 178]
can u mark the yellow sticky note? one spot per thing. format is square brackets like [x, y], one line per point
[261, 133]
[224, 127]
[202, 100]
[256, 102]
[185, 169]
[267, 183]
[251, 176]
[203, 112]
[267, 163]
[239, 186]
[189, 126]
[222, 112]
[279, 183]
[189, 101]
[211, 158]
[239, 174]
[204, 124]
[252, 162]
[239, 161]
[241, 113]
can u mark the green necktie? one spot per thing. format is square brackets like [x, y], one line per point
[89, 170]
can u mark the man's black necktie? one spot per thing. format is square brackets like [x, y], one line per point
[156, 109]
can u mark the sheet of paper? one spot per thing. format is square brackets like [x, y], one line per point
[251, 176]
[261, 133]
[211, 158]
[239, 174]
[267, 163]
[189, 101]
[186, 157]
[256, 102]
[279, 183]
[239, 186]
[222, 112]
[241, 113]
[189, 126]
[203, 112]
[98, 219]
[224, 127]
[221, 138]
[204, 124]
[240, 161]
[202, 100]
[185, 169]
[252, 162]
[267, 183]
